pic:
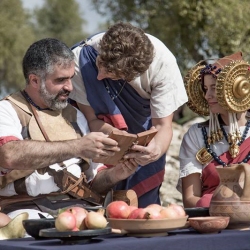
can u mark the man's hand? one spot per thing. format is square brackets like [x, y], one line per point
[40, 154]
[124, 169]
[95, 145]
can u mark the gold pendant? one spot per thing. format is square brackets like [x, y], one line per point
[203, 156]
[234, 150]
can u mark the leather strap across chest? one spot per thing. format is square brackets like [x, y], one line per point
[78, 188]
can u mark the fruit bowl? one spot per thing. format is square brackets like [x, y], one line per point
[146, 227]
[212, 224]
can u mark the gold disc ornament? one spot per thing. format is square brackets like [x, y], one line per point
[233, 87]
[196, 101]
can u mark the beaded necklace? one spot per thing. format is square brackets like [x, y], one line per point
[214, 155]
[116, 94]
[27, 97]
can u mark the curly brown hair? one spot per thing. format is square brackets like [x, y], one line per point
[126, 51]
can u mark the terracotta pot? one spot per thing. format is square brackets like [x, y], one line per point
[232, 196]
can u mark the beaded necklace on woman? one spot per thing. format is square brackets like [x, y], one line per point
[208, 141]
[232, 89]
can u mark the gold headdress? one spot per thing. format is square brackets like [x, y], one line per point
[232, 75]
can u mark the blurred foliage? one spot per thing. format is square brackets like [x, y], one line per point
[15, 36]
[19, 28]
[193, 30]
[60, 19]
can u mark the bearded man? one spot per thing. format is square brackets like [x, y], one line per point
[45, 144]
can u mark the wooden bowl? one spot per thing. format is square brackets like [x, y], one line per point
[146, 227]
[212, 224]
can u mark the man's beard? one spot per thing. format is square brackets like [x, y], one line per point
[52, 100]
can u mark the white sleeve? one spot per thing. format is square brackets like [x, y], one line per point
[192, 142]
[168, 91]
[40, 184]
[9, 123]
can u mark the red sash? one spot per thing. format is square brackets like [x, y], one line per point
[210, 178]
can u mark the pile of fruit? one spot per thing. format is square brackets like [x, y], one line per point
[78, 218]
[121, 210]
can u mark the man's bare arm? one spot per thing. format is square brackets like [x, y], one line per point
[28, 154]
[107, 178]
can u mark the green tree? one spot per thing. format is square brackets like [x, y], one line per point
[193, 30]
[60, 19]
[15, 37]
[18, 29]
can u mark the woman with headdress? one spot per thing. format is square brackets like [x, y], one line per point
[222, 91]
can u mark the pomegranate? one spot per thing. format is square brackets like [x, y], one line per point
[156, 207]
[179, 209]
[118, 210]
[65, 221]
[95, 220]
[169, 212]
[138, 213]
[4, 219]
[153, 212]
[132, 208]
[80, 214]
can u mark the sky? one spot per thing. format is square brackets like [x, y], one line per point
[85, 7]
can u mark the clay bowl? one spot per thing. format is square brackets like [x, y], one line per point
[33, 226]
[206, 225]
[239, 213]
[146, 227]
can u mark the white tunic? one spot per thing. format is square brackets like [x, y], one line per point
[192, 142]
[162, 83]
